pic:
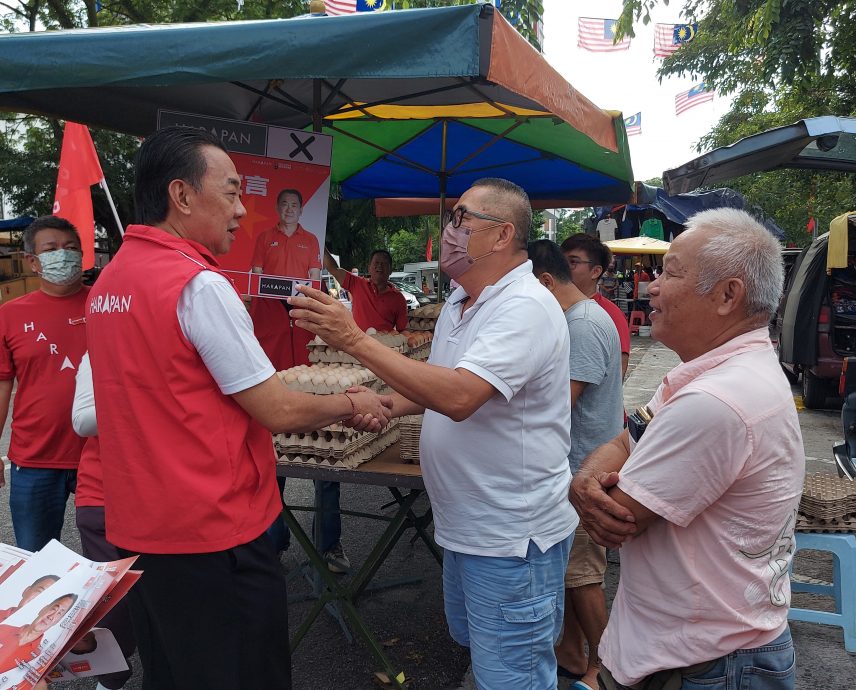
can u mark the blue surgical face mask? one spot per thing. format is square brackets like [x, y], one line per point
[61, 266]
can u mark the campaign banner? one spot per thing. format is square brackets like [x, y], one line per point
[285, 185]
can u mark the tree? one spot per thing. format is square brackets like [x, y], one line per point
[783, 60]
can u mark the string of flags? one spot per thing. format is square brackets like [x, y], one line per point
[669, 37]
[339, 7]
[697, 95]
[633, 124]
[597, 35]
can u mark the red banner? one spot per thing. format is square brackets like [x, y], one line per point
[79, 169]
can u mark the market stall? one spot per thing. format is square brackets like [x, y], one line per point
[419, 104]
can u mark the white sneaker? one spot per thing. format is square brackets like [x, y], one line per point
[337, 561]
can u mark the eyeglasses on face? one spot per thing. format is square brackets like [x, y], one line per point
[573, 261]
[456, 216]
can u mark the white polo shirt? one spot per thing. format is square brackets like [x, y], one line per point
[500, 478]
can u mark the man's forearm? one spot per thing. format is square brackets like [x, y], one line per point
[425, 385]
[402, 406]
[610, 457]
[333, 268]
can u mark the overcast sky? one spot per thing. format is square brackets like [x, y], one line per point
[627, 81]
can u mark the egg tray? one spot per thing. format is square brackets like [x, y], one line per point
[327, 443]
[411, 429]
[428, 311]
[417, 324]
[840, 525]
[380, 443]
[369, 380]
[328, 355]
[826, 496]
[420, 353]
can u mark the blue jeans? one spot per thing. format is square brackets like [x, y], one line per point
[508, 611]
[327, 497]
[771, 667]
[37, 498]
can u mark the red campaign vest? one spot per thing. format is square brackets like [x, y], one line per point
[187, 469]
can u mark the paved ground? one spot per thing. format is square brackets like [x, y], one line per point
[409, 619]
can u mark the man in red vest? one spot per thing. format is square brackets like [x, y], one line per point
[186, 403]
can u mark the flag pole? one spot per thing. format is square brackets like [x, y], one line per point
[103, 184]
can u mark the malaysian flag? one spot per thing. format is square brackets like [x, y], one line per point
[689, 99]
[669, 37]
[336, 7]
[598, 35]
[633, 124]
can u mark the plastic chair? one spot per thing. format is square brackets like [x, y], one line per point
[637, 318]
[842, 588]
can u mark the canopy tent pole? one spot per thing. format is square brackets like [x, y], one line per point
[103, 184]
[443, 177]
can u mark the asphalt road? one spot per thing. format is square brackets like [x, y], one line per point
[408, 620]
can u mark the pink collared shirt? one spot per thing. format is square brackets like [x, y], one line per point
[723, 463]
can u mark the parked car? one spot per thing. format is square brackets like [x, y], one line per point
[411, 293]
[815, 328]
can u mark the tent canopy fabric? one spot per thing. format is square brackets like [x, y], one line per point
[638, 245]
[395, 89]
[816, 143]
[677, 208]
[19, 223]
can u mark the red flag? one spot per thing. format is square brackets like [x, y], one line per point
[810, 226]
[79, 169]
[429, 248]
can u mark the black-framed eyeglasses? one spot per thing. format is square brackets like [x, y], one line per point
[456, 216]
[573, 261]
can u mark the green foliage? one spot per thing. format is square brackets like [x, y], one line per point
[783, 60]
[570, 222]
[407, 245]
[524, 15]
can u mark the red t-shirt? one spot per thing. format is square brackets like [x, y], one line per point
[280, 255]
[618, 318]
[383, 311]
[42, 340]
[642, 277]
[11, 652]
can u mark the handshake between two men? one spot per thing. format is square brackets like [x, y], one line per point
[328, 318]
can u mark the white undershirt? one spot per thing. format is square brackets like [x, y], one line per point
[213, 318]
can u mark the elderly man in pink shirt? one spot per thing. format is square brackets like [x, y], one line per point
[703, 505]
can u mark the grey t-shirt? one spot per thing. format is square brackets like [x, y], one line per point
[595, 359]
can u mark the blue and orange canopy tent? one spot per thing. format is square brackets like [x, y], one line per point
[420, 103]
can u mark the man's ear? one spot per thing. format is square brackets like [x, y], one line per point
[731, 296]
[507, 235]
[547, 280]
[179, 192]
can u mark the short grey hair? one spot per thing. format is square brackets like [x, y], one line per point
[510, 201]
[740, 247]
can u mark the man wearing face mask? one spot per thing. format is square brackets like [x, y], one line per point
[43, 339]
[495, 437]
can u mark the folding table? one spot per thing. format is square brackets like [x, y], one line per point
[335, 593]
